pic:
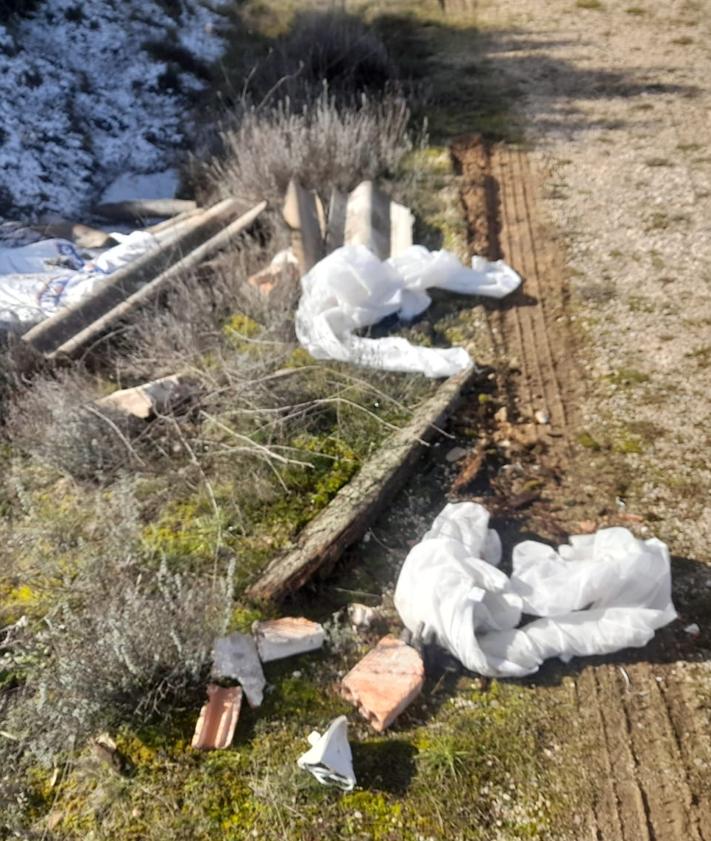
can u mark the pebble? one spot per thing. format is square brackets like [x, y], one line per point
[541, 416]
[455, 454]
[693, 630]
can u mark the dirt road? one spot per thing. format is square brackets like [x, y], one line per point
[603, 208]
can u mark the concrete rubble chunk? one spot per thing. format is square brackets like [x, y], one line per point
[375, 221]
[235, 657]
[279, 638]
[385, 682]
[303, 213]
[149, 399]
[216, 723]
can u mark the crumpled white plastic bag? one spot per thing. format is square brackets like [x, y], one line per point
[38, 279]
[351, 288]
[599, 594]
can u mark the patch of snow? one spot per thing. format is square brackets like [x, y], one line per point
[152, 185]
[89, 91]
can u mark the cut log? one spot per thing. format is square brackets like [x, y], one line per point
[123, 291]
[353, 509]
[138, 210]
[303, 213]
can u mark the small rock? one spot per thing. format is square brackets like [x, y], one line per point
[286, 637]
[455, 454]
[235, 657]
[542, 417]
[693, 630]
[385, 682]
[587, 526]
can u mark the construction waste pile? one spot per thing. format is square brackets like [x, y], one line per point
[595, 595]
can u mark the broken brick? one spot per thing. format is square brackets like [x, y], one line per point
[216, 724]
[385, 682]
[279, 638]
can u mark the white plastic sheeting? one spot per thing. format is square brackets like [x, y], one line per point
[39, 279]
[351, 289]
[599, 594]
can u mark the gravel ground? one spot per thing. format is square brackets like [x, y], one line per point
[616, 105]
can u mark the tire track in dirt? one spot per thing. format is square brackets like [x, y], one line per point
[643, 767]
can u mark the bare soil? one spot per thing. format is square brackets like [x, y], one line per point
[611, 356]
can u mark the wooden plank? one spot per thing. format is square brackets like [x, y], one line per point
[153, 288]
[350, 513]
[137, 210]
[50, 334]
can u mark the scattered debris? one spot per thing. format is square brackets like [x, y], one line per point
[279, 638]
[235, 657]
[597, 595]
[385, 682]
[349, 514]
[123, 292]
[154, 398]
[50, 334]
[361, 616]
[54, 226]
[216, 723]
[329, 758]
[471, 467]
[283, 270]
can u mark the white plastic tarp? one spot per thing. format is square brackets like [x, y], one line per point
[39, 279]
[351, 289]
[599, 594]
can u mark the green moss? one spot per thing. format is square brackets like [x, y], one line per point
[585, 439]
[625, 377]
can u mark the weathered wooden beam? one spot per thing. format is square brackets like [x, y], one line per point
[137, 210]
[50, 334]
[350, 513]
[153, 288]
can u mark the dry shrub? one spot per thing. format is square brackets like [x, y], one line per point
[127, 644]
[332, 48]
[324, 145]
[55, 420]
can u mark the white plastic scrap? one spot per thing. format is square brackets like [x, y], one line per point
[39, 279]
[599, 594]
[351, 289]
[329, 759]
